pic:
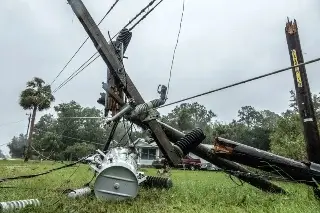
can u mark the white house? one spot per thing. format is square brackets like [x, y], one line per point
[147, 152]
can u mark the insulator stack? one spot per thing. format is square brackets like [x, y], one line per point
[158, 182]
[191, 140]
[80, 192]
[18, 204]
[124, 37]
[146, 106]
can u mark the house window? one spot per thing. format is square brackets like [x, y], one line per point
[148, 154]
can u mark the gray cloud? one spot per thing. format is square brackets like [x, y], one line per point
[221, 42]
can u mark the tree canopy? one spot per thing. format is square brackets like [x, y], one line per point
[37, 96]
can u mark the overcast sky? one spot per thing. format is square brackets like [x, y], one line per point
[221, 42]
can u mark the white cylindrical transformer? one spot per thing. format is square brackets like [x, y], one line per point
[117, 175]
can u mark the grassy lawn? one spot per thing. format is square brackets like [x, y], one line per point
[193, 191]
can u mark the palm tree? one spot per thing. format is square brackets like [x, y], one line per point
[37, 96]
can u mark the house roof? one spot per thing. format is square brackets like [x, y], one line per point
[142, 143]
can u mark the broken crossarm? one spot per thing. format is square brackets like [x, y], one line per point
[117, 70]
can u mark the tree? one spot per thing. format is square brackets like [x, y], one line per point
[249, 116]
[1, 154]
[69, 128]
[45, 138]
[294, 104]
[252, 128]
[287, 139]
[36, 97]
[17, 146]
[78, 150]
[187, 116]
[74, 129]
[269, 119]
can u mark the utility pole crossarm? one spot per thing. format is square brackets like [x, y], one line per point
[117, 70]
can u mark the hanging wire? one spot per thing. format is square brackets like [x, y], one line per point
[175, 48]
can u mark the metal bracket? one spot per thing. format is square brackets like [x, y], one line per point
[152, 115]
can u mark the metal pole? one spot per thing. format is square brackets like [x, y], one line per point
[304, 99]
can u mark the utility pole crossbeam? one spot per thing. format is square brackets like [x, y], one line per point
[118, 72]
[303, 94]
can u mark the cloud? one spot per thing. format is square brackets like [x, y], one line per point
[221, 42]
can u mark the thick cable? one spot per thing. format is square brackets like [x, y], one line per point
[240, 82]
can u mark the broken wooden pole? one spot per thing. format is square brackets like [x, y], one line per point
[303, 94]
[266, 161]
[207, 154]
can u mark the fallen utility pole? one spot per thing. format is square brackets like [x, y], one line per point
[303, 94]
[118, 72]
[207, 154]
[308, 173]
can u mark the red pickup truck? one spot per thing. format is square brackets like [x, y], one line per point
[187, 163]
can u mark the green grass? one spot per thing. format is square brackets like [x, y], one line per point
[193, 191]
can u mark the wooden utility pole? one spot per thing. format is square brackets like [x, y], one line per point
[115, 66]
[29, 117]
[303, 94]
[25, 146]
[29, 141]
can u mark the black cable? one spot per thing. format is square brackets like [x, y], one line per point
[111, 8]
[75, 73]
[138, 14]
[143, 17]
[241, 181]
[126, 133]
[39, 174]
[111, 134]
[79, 71]
[240, 82]
[88, 183]
[175, 48]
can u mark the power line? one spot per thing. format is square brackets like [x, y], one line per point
[83, 66]
[175, 48]
[240, 82]
[138, 14]
[65, 66]
[77, 72]
[143, 17]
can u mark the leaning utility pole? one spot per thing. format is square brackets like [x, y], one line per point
[303, 94]
[116, 68]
